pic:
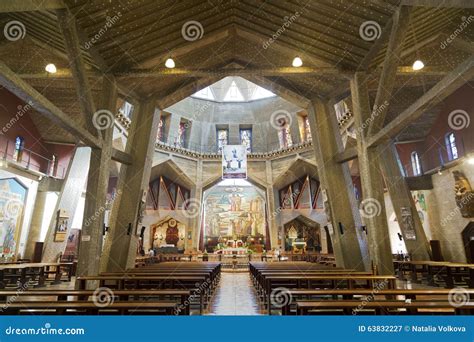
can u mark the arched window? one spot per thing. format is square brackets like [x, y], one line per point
[19, 145]
[415, 164]
[450, 141]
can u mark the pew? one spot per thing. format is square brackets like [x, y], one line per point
[434, 295]
[380, 307]
[19, 275]
[28, 300]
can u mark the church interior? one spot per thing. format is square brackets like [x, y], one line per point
[238, 157]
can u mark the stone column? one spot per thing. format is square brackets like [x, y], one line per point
[349, 248]
[36, 222]
[198, 202]
[122, 241]
[173, 129]
[372, 206]
[90, 247]
[417, 246]
[272, 213]
[71, 192]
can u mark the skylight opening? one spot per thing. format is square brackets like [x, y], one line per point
[261, 93]
[233, 94]
[205, 94]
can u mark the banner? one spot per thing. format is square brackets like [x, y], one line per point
[234, 162]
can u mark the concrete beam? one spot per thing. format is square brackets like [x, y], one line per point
[30, 5]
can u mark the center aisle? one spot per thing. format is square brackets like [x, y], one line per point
[235, 296]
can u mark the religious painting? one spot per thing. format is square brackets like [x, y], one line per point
[12, 202]
[234, 162]
[234, 219]
[408, 224]
[62, 222]
[168, 233]
[72, 244]
[464, 195]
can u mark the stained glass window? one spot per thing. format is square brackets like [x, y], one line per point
[222, 138]
[161, 130]
[246, 139]
[415, 164]
[19, 145]
[284, 137]
[181, 140]
[451, 146]
[306, 129]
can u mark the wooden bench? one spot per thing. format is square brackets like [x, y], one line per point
[90, 308]
[9, 297]
[21, 274]
[380, 307]
[366, 294]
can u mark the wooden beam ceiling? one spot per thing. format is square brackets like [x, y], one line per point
[451, 82]
[30, 5]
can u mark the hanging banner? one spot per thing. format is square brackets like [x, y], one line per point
[234, 162]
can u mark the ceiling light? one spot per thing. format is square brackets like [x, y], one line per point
[170, 63]
[418, 65]
[471, 160]
[51, 68]
[297, 62]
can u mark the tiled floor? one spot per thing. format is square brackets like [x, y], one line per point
[235, 295]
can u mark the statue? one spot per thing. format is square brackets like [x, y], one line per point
[464, 195]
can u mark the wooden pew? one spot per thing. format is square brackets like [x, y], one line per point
[380, 307]
[24, 272]
[7, 298]
[295, 295]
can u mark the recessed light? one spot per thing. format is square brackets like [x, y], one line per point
[418, 65]
[50, 68]
[297, 62]
[170, 63]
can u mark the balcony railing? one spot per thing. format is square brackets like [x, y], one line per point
[29, 160]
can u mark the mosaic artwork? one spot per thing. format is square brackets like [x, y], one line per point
[234, 218]
[12, 197]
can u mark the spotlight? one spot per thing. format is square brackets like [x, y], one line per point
[297, 62]
[418, 65]
[51, 68]
[170, 63]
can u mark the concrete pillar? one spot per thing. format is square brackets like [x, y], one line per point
[197, 196]
[328, 240]
[68, 199]
[36, 223]
[349, 247]
[417, 246]
[272, 213]
[372, 206]
[90, 247]
[122, 240]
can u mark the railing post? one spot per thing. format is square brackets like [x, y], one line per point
[6, 151]
[29, 160]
